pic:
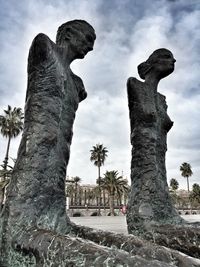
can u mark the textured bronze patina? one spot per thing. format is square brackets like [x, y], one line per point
[149, 201]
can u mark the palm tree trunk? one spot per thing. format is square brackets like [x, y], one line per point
[85, 197]
[75, 194]
[188, 188]
[112, 213]
[99, 202]
[7, 153]
[125, 198]
[2, 191]
[104, 199]
[79, 197]
[89, 197]
[117, 201]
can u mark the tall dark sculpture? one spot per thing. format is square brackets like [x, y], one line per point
[36, 194]
[149, 201]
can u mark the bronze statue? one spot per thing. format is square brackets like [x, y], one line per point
[149, 201]
[36, 194]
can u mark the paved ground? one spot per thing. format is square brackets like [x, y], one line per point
[117, 223]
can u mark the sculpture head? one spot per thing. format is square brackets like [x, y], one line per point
[78, 35]
[160, 63]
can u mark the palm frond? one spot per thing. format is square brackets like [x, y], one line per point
[11, 124]
[98, 154]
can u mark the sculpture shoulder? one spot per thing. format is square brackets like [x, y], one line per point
[133, 85]
[41, 48]
[131, 81]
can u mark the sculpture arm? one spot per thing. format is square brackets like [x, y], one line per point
[142, 110]
[40, 56]
[39, 51]
[131, 91]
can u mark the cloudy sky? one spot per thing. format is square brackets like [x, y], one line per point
[128, 31]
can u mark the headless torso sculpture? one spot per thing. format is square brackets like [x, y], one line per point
[149, 201]
[53, 95]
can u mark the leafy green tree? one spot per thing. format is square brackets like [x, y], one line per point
[186, 171]
[114, 185]
[98, 156]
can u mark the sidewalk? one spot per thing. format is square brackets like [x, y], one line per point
[117, 223]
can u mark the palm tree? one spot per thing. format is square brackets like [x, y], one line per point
[76, 181]
[70, 193]
[174, 184]
[98, 156]
[195, 194]
[91, 194]
[173, 187]
[96, 191]
[11, 125]
[85, 197]
[186, 171]
[80, 196]
[114, 185]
